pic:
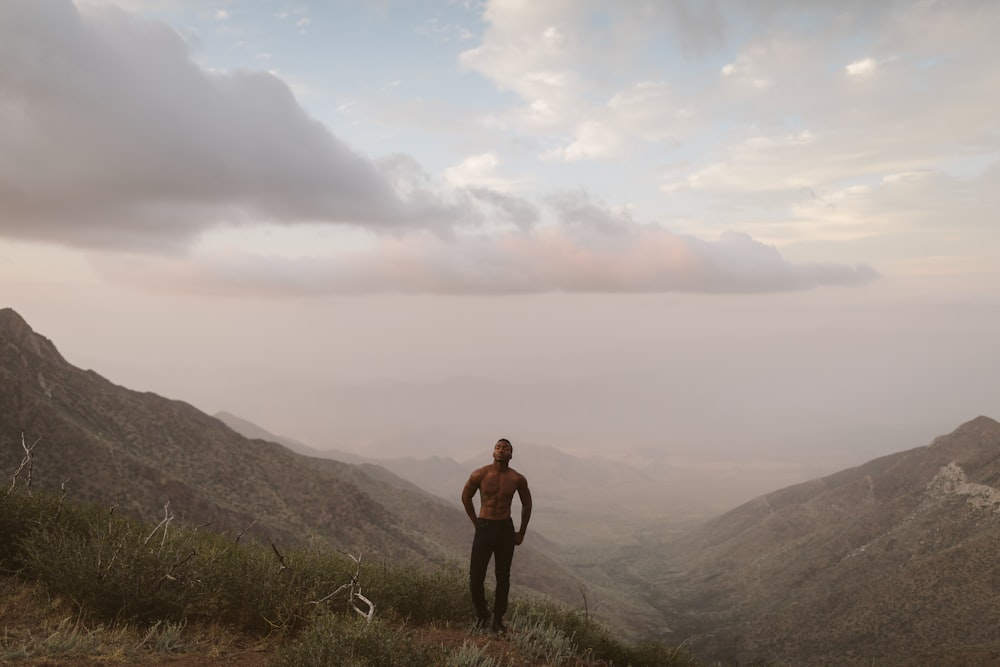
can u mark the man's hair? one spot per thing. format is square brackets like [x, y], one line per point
[505, 441]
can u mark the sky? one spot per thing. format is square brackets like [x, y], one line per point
[757, 235]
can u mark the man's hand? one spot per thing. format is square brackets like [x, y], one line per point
[518, 537]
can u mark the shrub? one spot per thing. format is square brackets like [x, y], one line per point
[419, 595]
[111, 564]
[541, 640]
[342, 639]
[471, 655]
[591, 639]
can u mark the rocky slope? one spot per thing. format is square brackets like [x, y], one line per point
[890, 563]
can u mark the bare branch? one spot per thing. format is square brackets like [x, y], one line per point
[355, 591]
[281, 558]
[371, 607]
[100, 550]
[168, 517]
[169, 575]
[252, 524]
[235, 541]
[111, 513]
[26, 462]
[327, 597]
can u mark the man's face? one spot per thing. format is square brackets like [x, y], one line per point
[502, 451]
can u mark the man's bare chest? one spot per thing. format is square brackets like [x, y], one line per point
[499, 484]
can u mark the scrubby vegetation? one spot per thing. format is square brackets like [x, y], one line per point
[160, 588]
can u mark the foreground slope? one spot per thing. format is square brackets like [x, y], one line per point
[109, 444]
[890, 563]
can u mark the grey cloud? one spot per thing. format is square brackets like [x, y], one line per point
[507, 207]
[111, 135]
[581, 259]
[579, 208]
[737, 263]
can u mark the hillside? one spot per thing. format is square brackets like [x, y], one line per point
[112, 445]
[889, 563]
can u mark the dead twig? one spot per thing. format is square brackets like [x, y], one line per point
[281, 559]
[355, 591]
[167, 518]
[100, 549]
[169, 575]
[235, 542]
[242, 532]
[27, 462]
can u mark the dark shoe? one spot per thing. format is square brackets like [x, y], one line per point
[482, 622]
[499, 627]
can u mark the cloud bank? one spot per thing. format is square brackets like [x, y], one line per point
[112, 138]
[548, 259]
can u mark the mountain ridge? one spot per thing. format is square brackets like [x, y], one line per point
[878, 563]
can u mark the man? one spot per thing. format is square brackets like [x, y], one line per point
[495, 536]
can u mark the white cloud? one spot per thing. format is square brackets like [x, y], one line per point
[867, 67]
[567, 62]
[646, 113]
[862, 67]
[758, 163]
[477, 171]
[533, 49]
[593, 140]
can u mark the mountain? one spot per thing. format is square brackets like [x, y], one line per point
[248, 429]
[890, 563]
[114, 446]
[575, 494]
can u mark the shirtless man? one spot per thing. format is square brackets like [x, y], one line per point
[495, 536]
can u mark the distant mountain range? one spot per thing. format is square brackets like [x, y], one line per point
[110, 445]
[570, 490]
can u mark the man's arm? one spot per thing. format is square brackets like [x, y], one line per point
[525, 495]
[468, 491]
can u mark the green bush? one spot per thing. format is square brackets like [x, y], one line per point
[541, 640]
[348, 640]
[248, 587]
[471, 655]
[112, 565]
[554, 623]
[418, 595]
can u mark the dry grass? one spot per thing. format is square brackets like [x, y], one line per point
[39, 630]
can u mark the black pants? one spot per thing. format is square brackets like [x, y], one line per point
[493, 539]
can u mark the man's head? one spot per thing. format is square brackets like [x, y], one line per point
[503, 450]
